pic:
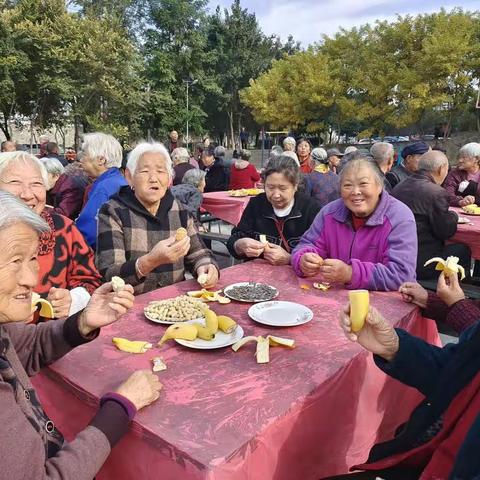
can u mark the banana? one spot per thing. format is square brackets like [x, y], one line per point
[117, 284]
[211, 321]
[183, 331]
[46, 309]
[449, 266]
[204, 332]
[226, 324]
[202, 278]
[263, 345]
[131, 346]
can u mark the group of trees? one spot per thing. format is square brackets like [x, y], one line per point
[121, 65]
[410, 73]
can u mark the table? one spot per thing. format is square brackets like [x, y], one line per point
[221, 205]
[468, 233]
[311, 412]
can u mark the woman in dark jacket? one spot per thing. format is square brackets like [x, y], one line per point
[281, 214]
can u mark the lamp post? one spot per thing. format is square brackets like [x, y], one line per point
[189, 82]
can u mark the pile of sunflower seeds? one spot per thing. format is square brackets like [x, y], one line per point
[253, 292]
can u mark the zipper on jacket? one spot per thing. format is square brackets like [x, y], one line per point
[351, 245]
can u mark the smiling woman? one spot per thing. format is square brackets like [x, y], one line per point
[367, 238]
[136, 228]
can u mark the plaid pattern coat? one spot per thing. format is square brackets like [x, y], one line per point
[126, 231]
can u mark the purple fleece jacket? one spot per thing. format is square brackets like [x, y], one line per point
[382, 253]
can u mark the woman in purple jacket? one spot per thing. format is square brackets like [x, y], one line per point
[366, 239]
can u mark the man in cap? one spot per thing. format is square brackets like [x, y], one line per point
[334, 155]
[411, 155]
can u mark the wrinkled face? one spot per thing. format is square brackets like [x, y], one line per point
[360, 191]
[150, 180]
[289, 147]
[279, 190]
[334, 161]
[93, 167]
[18, 272]
[173, 136]
[24, 180]
[52, 179]
[208, 160]
[468, 163]
[411, 162]
[303, 149]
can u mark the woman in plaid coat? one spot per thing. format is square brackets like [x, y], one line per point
[137, 226]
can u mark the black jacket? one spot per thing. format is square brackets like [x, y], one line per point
[397, 174]
[215, 178]
[429, 204]
[259, 218]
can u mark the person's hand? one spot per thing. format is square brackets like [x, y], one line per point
[414, 293]
[310, 264]
[142, 388]
[276, 255]
[336, 271]
[167, 251]
[105, 307]
[449, 290]
[212, 275]
[248, 247]
[376, 336]
[468, 200]
[61, 300]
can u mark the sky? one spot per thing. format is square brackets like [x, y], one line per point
[307, 20]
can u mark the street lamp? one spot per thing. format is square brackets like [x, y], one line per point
[189, 82]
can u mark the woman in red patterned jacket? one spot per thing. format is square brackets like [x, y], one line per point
[68, 275]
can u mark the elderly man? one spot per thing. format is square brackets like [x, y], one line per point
[289, 144]
[101, 158]
[383, 153]
[411, 155]
[173, 141]
[52, 152]
[422, 192]
[8, 146]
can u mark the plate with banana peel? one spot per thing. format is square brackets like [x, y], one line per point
[280, 314]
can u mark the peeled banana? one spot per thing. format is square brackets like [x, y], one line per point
[263, 345]
[211, 320]
[226, 324]
[183, 331]
[449, 266]
[46, 309]
[130, 346]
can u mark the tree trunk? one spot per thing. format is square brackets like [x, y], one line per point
[232, 133]
[4, 127]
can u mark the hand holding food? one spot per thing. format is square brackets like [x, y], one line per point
[142, 388]
[165, 252]
[468, 200]
[248, 247]
[376, 336]
[449, 290]
[359, 306]
[449, 266]
[336, 271]
[207, 275]
[46, 309]
[414, 293]
[60, 299]
[117, 283]
[276, 255]
[310, 264]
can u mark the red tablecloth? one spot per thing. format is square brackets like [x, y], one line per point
[312, 411]
[468, 233]
[221, 205]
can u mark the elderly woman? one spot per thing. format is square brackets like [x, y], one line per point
[181, 164]
[463, 182]
[30, 445]
[101, 158]
[366, 239]
[67, 274]
[322, 184]
[189, 192]
[289, 144]
[136, 228]
[242, 173]
[281, 214]
[304, 148]
[441, 438]
[65, 192]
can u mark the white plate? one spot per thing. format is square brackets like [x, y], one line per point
[463, 220]
[170, 322]
[227, 292]
[221, 339]
[280, 314]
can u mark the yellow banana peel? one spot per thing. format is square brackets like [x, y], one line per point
[130, 346]
[262, 352]
[46, 308]
[182, 331]
[211, 320]
[449, 266]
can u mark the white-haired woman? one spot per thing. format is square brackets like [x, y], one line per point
[136, 228]
[289, 144]
[463, 182]
[64, 190]
[189, 192]
[181, 164]
[67, 274]
[101, 158]
[30, 445]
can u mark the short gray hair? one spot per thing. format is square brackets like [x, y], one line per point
[53, 165]
[350, 149]
[219, 151]
[292, 155]
[289, 141]
[146, 147]
[431, 161]
[363, 161]
[382, 152]
[13, 211]
[99, 144]
[180, 155]
[18, 157]
[471, 149]
[194, 177]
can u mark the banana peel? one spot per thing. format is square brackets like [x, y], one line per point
[323, 287]
[46, 308]
[130, 346]
[158, 364]
[263, 345]
[449, 266]
[208, 296]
